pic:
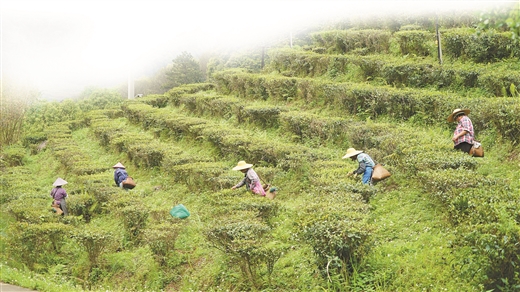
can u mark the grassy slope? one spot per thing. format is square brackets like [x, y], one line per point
[411, 243]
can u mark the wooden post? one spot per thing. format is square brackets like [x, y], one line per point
[439, 49]
[130, 87]
[263, 52]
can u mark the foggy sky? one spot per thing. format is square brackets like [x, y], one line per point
[61, 47]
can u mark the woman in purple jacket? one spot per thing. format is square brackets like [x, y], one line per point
[59, 194]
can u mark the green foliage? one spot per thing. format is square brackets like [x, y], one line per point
[30, 210]
[443, 220]
[498, 243]
[243, 242]
[185, 70]
[161, 238]
[94, 240]
[12, 156]
[196, 175]
[503, 18]
[415, 42]
[250, 60]
[337, 234]
[36, 245]
[84, 205]
[261, 115]
[360, 41]
[506, 119]
[479, 46]
[15, 100]
[130, 270]
[134, 219]
[96, 99]
[314, 128]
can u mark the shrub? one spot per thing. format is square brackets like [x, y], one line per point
[261, 115]
[415, 42]
[31, 210]
[242, 242]
[133, 270]
[134, 219]
[336, 234]
[12, 156]
[37, 245]
[498, 243]
[84, 205]
[161, 239]
[196, 175]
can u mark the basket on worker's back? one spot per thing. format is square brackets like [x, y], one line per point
[380, 173]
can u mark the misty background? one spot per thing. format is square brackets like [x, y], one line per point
[61, 47]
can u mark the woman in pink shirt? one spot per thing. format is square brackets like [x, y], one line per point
[251, 180]
[464, 135]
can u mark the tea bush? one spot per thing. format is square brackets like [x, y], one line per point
[31, 210]
[37, 245]
[130, 270]
[95, 241]
[315, 128]
[161, 239]
[197, 175]
[334, 232]
[84, 205]
[243, 243]
[134, 218]
[417, 42]
[498, 243]
[488, 46]
[344, 41]
[12, 156]
[264, 116]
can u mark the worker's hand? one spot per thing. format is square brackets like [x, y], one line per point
[350, 174]
[233, 187]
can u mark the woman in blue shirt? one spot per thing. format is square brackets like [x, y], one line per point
[120, 174]
[366, 164]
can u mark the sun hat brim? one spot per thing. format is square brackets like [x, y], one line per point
[451, 117]
[352, 154]
[243, 166]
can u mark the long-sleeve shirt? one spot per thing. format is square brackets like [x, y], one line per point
[58, 194]
[250, 178]
[120, 175]
[364, 160]
[464, 124]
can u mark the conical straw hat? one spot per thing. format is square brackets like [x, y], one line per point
[59, 182]
[118, 165]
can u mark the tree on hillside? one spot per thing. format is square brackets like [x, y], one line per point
[184, 70]
[14, 101]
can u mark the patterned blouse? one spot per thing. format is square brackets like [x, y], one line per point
[364, 161]
[464, 125]
[250, 178]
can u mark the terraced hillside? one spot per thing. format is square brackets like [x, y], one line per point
[444, 221]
